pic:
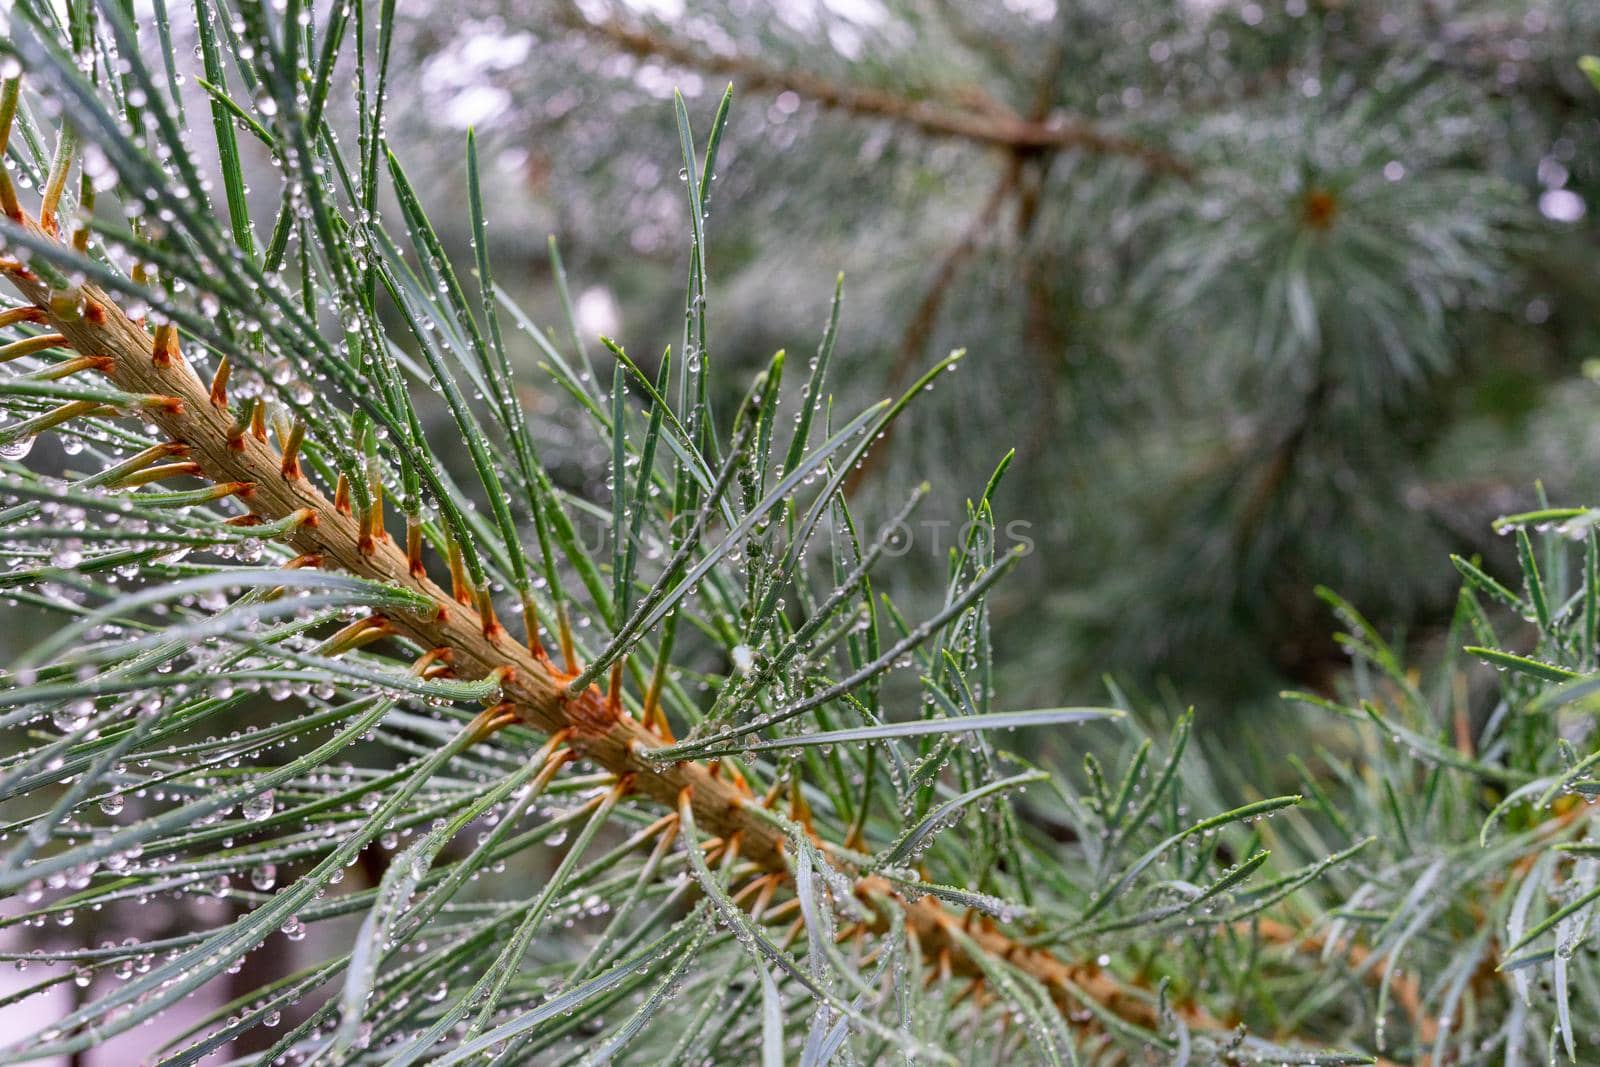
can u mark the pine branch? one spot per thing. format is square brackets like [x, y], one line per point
[325, 340]
[196, 419]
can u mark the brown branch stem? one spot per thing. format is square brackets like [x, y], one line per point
[992, 125]
[926, 315]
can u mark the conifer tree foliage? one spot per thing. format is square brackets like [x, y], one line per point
[326, 659]
[1218, 262]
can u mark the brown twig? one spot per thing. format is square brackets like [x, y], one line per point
[1022, 180]
[991, 125]
[920, 327]
[1029, 140]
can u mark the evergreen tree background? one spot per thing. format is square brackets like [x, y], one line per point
[1264, 295]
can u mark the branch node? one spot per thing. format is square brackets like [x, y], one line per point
[164, 350]
[413, 545]
[219, 383]
[289, 468]
[489, 621]
[614, 689]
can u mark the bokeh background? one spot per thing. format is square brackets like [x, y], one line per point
[1264, 295]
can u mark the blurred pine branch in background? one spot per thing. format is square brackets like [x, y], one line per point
[1218, 265]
